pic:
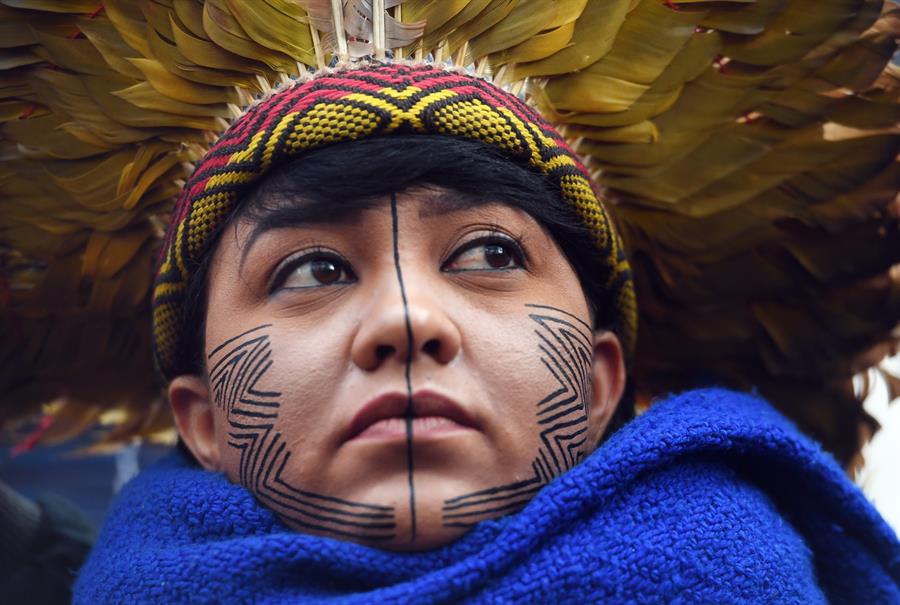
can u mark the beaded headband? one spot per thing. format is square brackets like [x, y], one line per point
[371, 100]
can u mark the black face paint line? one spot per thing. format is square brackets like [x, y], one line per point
[565, 343]
[237, 373]
[408, 368]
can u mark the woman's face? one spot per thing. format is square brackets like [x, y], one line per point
[395, 377]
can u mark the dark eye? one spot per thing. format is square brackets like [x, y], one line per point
[313, 270]
[487, 254]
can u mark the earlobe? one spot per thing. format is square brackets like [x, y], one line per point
[193, 411]
[607, 384]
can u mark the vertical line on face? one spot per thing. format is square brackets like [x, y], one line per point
[408, 364]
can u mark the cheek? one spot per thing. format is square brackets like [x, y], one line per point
[536, 375]
[515, 375]
[522, 356]
[506, 361]
[305, 373]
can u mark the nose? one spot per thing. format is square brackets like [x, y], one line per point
[412, 330]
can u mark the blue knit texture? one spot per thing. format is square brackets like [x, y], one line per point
[709, 497]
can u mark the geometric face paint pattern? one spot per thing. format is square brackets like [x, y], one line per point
[566, 349]
[237, 373]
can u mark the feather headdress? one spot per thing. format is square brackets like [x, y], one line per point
[747, 148]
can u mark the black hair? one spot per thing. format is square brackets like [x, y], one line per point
[351, 176]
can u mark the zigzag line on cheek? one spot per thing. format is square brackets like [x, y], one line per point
[237, 368]
[565, 346]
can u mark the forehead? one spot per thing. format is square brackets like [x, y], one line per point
[434, 206]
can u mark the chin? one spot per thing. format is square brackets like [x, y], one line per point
[430, 530]
[373, 505]
[427, 538]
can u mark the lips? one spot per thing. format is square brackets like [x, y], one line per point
[385, 416]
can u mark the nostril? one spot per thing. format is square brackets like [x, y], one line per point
[382, 352]
[432, 347]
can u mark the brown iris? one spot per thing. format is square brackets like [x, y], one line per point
[325, 271]
[497, 256]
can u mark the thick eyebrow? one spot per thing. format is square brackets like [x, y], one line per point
[297, 213]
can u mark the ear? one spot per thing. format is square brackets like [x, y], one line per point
[607, 384]
[193, 411]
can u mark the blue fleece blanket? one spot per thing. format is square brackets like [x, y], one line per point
[709, 497]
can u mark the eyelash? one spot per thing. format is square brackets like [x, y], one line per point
[316, 253]
[320, 253]
[494, 237]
